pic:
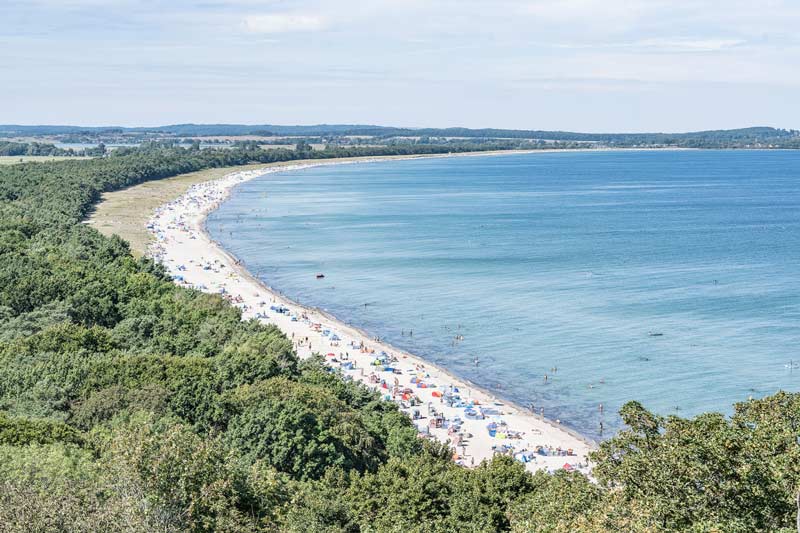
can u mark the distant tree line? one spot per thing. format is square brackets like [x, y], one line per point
[756, 137]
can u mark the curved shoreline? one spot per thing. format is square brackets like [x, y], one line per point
[242, 271]
[188, 214]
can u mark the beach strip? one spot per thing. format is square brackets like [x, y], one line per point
[477, 424]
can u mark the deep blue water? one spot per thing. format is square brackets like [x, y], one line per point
[553, 260]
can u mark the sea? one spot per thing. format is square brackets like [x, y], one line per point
[571, 282]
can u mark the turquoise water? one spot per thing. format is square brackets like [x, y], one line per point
[573, 261]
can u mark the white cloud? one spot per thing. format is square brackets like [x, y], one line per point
[597, 15]
[690, 45]
[283, 23]
[444, 54]
[661, 45]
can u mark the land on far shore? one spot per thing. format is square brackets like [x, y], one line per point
[77, 140]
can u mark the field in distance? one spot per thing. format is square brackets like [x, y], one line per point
[16, 159]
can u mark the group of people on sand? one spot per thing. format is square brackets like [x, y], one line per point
[435, 417]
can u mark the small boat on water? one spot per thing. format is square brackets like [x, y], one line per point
[320, 276]
[655, 334]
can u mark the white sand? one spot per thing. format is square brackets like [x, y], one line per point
[194, 260]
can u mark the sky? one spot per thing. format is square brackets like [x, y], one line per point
[579, 65]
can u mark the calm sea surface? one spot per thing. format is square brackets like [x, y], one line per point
[671, 278]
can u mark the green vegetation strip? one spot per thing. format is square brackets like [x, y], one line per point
[126, 212]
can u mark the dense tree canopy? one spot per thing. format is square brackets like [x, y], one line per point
[8, 148]
[130, 404]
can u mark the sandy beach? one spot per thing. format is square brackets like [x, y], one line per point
[477, 424]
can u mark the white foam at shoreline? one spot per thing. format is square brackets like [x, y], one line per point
[194, 260]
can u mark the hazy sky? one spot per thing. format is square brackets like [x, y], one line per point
[588, 65]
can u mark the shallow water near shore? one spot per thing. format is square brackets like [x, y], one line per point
[671, 278]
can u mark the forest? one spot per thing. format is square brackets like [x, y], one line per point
[8, 148]
[130, 404]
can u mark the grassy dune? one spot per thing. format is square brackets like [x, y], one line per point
[16, 159]
[126, 212]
